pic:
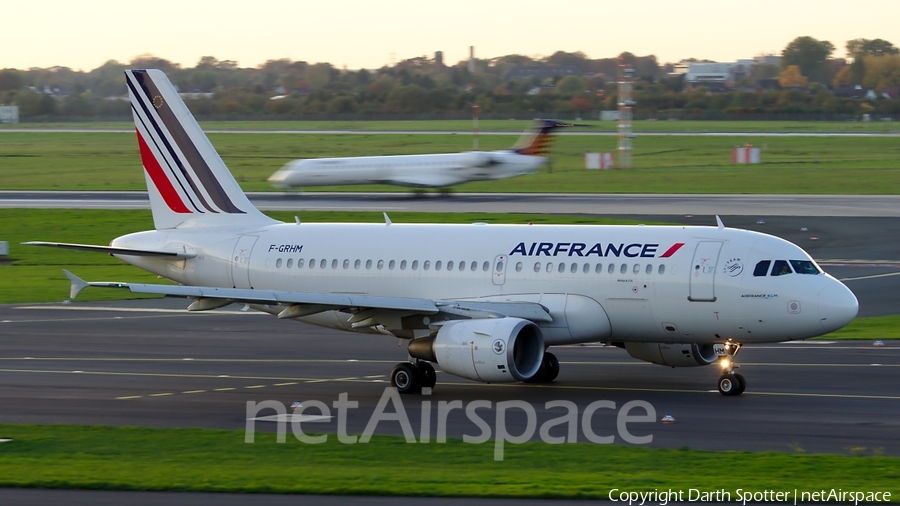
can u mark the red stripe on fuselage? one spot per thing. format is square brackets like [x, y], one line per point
[671, 251]
[159, 178]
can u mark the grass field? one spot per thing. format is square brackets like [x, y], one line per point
[803, 165]
[512, 125]
[129, 458]
[35, 274]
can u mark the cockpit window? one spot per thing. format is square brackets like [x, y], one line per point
[804, 267]
[781, 268]
[762, 268]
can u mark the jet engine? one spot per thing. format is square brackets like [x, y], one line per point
[498, 350]
[674, 355]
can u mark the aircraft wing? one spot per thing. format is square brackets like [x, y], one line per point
[307, 303]
[111, 250]
[421, 181]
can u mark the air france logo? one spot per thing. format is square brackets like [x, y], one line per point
[498, 346]
[580, 249]
[734, 267]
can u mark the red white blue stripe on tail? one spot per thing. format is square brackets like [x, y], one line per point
[185, 175]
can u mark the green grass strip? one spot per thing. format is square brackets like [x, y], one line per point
[206, 460]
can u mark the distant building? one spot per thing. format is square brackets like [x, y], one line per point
[768, 59]
[9, 114]
[702, 73]
[439, 58]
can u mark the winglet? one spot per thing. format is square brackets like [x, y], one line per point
[78, 284]
[719, 222]
[387, 221]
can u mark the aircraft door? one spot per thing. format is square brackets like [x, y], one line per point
[703, 271]
[240, 264]
[498, 273]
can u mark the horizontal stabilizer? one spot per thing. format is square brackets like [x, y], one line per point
[111, 250]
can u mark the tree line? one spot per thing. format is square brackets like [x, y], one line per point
[810, 80]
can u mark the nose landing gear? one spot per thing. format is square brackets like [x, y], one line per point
[731, 383]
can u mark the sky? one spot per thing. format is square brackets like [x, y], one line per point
[366, 34]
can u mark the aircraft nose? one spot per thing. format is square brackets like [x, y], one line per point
[837, 306]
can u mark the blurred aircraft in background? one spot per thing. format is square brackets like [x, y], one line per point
[425, 171]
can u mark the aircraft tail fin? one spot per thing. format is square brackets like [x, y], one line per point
[186, 179]
[536, 141]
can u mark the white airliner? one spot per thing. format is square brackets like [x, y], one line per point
[425, 171]
[482, 301]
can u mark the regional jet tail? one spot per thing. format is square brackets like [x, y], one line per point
[484, 302]
[425, 171]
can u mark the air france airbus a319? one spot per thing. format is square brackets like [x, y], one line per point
[484, 302]
[425, 171]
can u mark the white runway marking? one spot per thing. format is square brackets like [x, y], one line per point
[291, 418]
[890, 274]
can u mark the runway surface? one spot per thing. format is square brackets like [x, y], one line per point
[149, 363]
[546, 203]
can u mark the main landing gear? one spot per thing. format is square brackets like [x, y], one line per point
[731, 383]
[410, 378]
[548, 371]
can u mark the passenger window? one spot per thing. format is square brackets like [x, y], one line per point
[278, 264]
[573, 268]
[549, 267]
[356, 264]
[392, 264]
[485, 266]
[437, 265]
[346, 264]
[636, 269]
[415, 264]
[474, 266]
[368, 264]
[334, 264]
[781, 268]
[380, 264]
[462, 265]
[662, 269]
[587, 268]
[562, 267]
[300, 263]
[537, 267]
[762, 268]
[450, 265]
[312, 263]
[800, 267]
[623, 269]
[322, 263]
[402, 265]
[611, 269]
[649, 269]
[599, 268]
[290, 263]
[426, 265]
[519, 267]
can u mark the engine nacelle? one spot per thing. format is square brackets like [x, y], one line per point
[674, 355]
[498, 350]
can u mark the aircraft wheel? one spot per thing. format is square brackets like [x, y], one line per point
[406, 378]
[742, 384]
[429, 377]
[551, 371]
[729, 384]
[548, 371]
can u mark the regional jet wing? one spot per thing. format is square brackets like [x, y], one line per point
[308, 303]
[421, 181]
[111, 250]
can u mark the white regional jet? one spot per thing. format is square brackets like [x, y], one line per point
[482, 301]
[425, 171]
